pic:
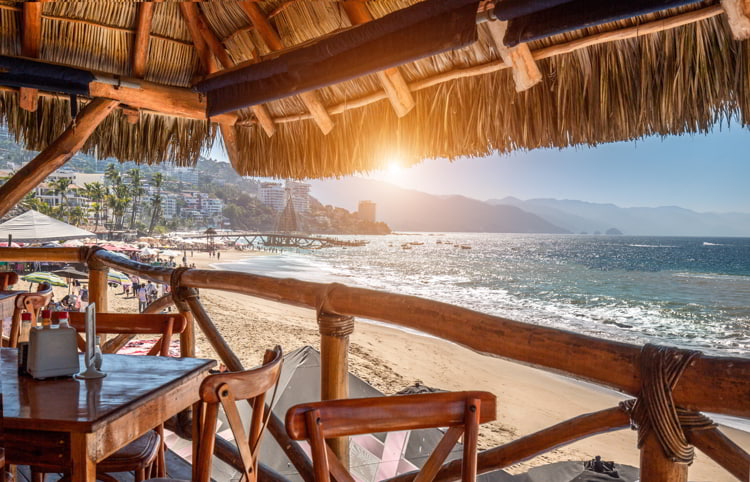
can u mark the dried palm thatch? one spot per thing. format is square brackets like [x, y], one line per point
[680, 80]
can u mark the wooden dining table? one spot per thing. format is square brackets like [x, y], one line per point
[66, 424]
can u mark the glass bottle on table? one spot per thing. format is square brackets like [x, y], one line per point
[46, 319]
[25, 328]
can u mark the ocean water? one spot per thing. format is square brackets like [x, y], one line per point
[688, 292]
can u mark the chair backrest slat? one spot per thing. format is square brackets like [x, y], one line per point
[462, 412]
[226, 389]
[388, 414]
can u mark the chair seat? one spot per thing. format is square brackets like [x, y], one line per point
[137, 454]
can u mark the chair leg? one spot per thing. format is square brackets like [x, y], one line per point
[161, 458]
[37, 476]
[140, 475]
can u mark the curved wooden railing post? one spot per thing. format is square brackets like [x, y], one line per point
[187, 337]
[656, 466]
[98, 273]
[334, 368]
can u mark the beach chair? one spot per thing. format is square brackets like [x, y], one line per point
[460, 412]
[226, 389]
[145, 456]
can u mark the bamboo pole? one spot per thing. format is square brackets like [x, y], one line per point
[55, 155]
[98, 287]
[656, 467]
[23, 255]
[334, 368]
[722, 450]
[531, 445]
[187, 337]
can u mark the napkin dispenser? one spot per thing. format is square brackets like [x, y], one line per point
[52, 352]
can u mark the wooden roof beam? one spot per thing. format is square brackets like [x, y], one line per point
[55, 155]
[525, 72]
[269, 35]
[142, 36]
[738, 17]
[391, 79]
[206, 43]
[31, 46]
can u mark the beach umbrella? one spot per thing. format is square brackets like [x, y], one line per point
[72, 243]
[169, 253]
[12, 245]
[117, 277]
[42, 277]
[574, 471]
[69, 272]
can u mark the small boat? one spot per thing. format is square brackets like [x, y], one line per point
[415, 243]
[405, 246]
[439, 242]
[464, 246]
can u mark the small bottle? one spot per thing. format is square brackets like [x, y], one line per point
[97, 355]
[23, 335]
[46, 318]
[62, 319]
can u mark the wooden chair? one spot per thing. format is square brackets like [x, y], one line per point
[146, 455]
[461, 412]
[31, 303]
[226, 389]
[7, 279]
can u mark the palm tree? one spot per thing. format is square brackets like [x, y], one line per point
[118, 201]
[157, 179]
[30, 201]
[136, 191]
[97, 193]
[112, 175]
[77, 216]
[60, 187]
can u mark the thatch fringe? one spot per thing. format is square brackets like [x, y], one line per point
[679, 81]
[153, 139]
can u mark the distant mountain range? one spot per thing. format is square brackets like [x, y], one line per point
[408, 210]
[586, 217]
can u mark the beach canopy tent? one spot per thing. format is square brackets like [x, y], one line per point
[35, 227]
[432, 79]
[372, 456]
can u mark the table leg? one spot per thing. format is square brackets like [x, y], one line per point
[82, 448]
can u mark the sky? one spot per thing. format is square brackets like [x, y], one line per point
[705, 173]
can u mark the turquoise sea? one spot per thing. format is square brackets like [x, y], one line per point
[689, 292]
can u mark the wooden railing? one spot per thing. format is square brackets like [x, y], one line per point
[709, 383]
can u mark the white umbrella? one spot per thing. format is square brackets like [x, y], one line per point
[72, 243]
[169, 253]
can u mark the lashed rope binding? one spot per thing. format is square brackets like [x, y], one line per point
[654, 410]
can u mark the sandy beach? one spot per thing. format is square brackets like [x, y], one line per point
[390, 359]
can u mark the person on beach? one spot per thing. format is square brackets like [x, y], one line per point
[151, 292]
[142, 300]
[218, 255]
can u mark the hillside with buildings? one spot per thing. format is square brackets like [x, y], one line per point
[111, 197]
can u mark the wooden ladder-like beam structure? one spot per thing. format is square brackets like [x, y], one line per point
[202, 39]
[272, 39]
[206, 43]
[56, 154]
[31, 46]
[391, 79]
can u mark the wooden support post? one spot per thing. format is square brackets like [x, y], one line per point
[526, 74]
[656, 467]
[229, 135]
[205, 41]
[334, 368]
[98, 286]
[31, 47]
[55, 155]
[271, 38]
[208, 328]
[391, 79]
[187, 337]
[142, 36]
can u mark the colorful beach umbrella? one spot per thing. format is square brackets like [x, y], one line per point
[117, 277]
[42, 277]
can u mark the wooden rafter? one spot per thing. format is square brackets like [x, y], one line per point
[55, 155]
[269, 35]
[206, 43]
[31, 44]
[142, 35]
[391, 79]
[526, 74]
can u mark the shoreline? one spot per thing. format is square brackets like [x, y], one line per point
[391, 358]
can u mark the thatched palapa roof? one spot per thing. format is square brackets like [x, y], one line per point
[670, 72]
